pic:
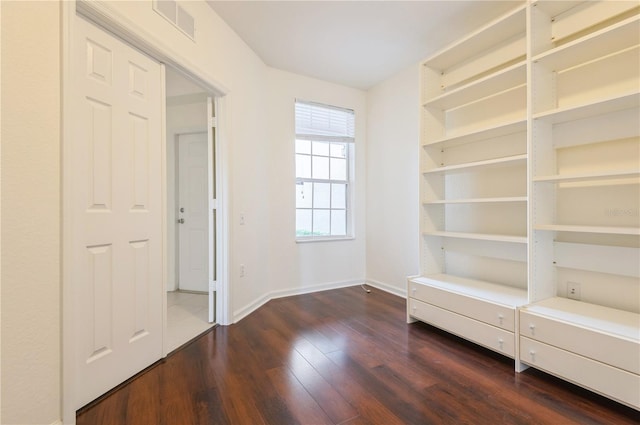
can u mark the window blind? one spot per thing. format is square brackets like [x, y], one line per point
[324, 123]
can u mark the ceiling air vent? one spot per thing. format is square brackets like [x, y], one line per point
[176, 14]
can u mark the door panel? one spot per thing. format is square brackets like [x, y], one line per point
[193, 214]
[115, 159]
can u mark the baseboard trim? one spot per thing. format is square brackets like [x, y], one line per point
[250, 308]
[315, 288]
[401, 292]
[253, 306]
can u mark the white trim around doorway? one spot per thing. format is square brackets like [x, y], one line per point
[101, 15]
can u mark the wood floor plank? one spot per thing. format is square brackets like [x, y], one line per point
[331, 401]
[376, 403]
[143, 404]
[344, 357]
[347, 384]
[304, 407]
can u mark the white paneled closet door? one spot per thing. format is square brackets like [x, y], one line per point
[116, 224]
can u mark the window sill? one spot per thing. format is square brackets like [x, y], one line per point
[333, 239]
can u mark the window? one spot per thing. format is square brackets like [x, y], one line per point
[324, 152]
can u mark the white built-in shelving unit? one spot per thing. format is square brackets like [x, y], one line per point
[474, 186]
[585, 196]
[530, 192]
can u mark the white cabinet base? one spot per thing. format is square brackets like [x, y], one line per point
[601, 378]
[488, 336]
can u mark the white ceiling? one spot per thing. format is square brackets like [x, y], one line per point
[354, 43]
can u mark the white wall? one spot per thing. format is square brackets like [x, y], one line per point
[30, 212]
[303, 267]
[392, 181]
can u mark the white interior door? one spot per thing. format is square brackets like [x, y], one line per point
[193, 218]
[116, 226]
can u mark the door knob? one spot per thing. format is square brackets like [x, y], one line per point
[181, 220]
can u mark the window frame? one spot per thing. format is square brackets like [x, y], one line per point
[348, 182]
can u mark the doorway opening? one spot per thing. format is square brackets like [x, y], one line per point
[189, 182]
[123, 43]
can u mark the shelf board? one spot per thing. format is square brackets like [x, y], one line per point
[600, 107]
[489, 163]
[604, 175]
[590, 316]
[633, 231]
[510, 77]
[610, 259]
[619, 36]
[479, 236]
[478, 200]
[493, 33]
[487, 291]
[555, 7]
[511, 127]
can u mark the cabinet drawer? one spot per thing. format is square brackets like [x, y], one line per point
[599, 377]
[484, 311]
[607, 348]
[486, 335]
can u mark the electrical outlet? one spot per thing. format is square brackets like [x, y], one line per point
[241, 270]
[573, 290]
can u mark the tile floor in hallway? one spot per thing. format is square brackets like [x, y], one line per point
[187, 316]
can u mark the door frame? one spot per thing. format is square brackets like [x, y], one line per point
[101, 15]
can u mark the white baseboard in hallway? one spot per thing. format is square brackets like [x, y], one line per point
[187, 315]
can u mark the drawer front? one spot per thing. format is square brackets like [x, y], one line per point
[606, 348]
[609, 381]
[486, 335]
[484, 311]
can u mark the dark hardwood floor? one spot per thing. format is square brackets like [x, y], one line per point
[343, 357]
